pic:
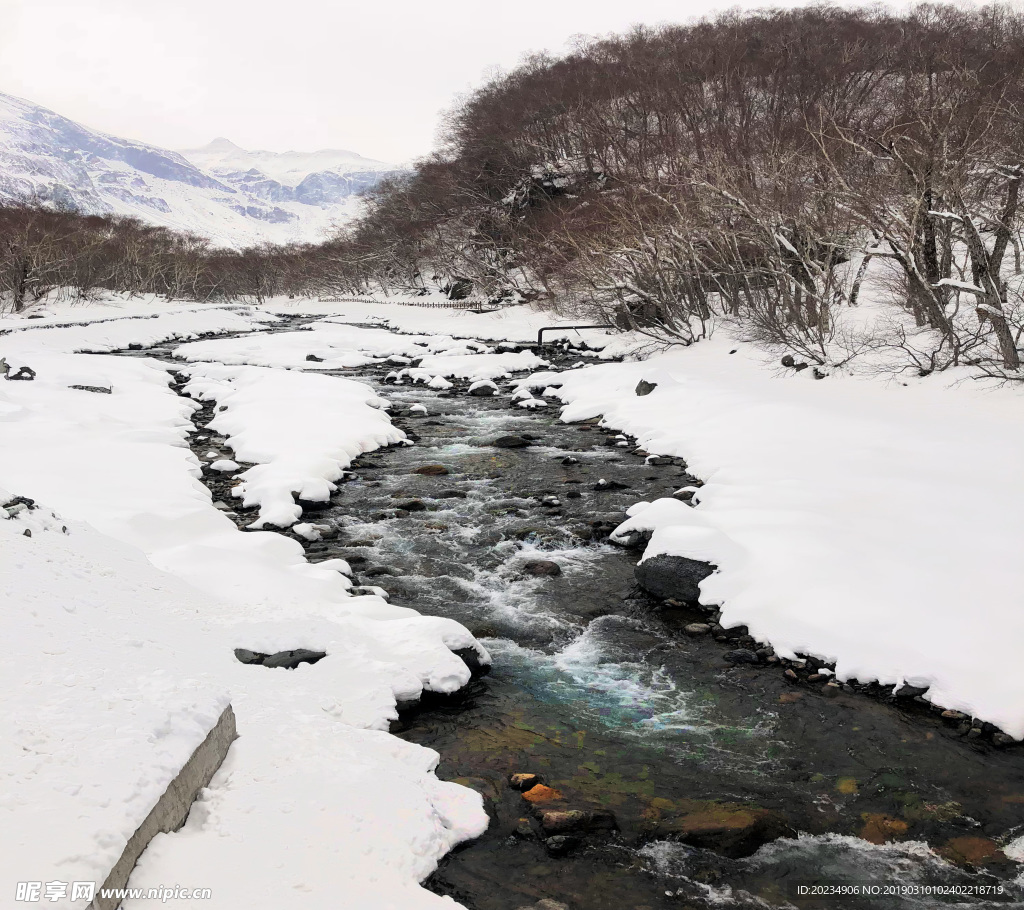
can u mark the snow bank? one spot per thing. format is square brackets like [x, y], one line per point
[302, 431]
[516, 323]
[316, 800]
[480, 366]
[334, 345]
[874, 525]
[102, 704]
[101, 336]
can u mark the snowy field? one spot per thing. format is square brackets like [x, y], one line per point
[876, 524]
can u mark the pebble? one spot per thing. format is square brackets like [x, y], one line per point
[697, 628]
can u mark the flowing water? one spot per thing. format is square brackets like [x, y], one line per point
[600, 691]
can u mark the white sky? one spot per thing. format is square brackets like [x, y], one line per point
[369, 76]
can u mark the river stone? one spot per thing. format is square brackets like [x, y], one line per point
[606, 486]
[289, 660]
[312, 358]
[697, 628]
[483, 391]
[666, 576]
[412, 505]
[471, 658]
[524, 780]
[559, 845]
[643, 387]
[432, 470]
[564, 821]
[907, 691]
[733, 831]
[510, 442]
[542, 567]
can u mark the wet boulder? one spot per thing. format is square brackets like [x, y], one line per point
[432, 470]
[733, 831]
[540, 568]
[511, 442]
[677, 577]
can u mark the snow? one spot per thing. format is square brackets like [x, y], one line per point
[338, 346]
[301, 430]
[125, 630]
[868, 523]
[116, 334]
[479, 366]
[101, 704]
[517, 324]
[221, 156]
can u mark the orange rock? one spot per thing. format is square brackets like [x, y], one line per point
[879, 829]
[787, 698]
[541, 794]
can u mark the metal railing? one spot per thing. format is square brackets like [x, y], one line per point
[560, 328]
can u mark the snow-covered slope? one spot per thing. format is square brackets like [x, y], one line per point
[221, 191]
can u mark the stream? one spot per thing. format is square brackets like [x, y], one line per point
[675, 778]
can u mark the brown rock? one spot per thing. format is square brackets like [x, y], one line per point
[733, 831]
[576, 820]
[880, 829]
[432, 470]
[789, 698]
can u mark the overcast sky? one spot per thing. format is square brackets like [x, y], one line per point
[370, 76]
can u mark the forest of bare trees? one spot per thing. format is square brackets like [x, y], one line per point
[786, 170]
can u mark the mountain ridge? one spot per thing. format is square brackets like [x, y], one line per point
[221, 191]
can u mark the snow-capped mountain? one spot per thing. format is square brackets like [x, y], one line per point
[220, 191]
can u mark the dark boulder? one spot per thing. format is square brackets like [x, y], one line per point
[288, 660]
[510, 442]
[542, 567]
[643, 387]
[674, 577]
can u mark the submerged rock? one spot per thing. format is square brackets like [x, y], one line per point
[432, 470]
[733, 831]
[678, 577]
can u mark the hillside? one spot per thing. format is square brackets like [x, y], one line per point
[221, 191]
